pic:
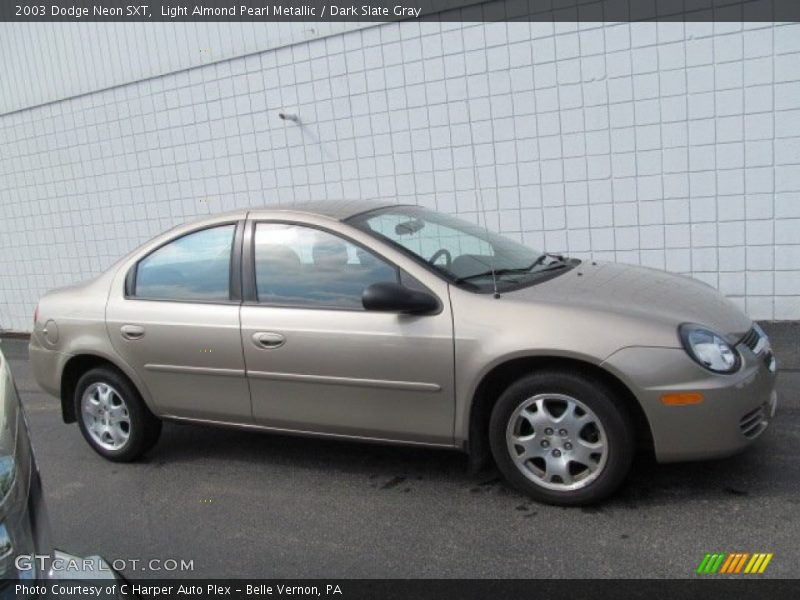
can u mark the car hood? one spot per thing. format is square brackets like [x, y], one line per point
[640, 292]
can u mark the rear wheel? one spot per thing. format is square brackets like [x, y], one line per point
[112, 416]
[560, 437]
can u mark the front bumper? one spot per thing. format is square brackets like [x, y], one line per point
[69, 567]
[735, 411]
[63, 569]
[30, 563]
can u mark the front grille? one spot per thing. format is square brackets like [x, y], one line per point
[758, 343]
[754, 422]
[751, 339]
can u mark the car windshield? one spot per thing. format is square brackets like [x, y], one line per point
[464, 253]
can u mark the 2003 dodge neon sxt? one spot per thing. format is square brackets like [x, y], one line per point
[399, 324]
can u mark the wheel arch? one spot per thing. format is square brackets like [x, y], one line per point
[499, 377]
[75, 368]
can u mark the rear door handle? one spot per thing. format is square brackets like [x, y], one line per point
[132, 332]
[268, 339]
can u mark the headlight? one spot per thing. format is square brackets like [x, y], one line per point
[10, 418]
[9, 513]
[8, 471]
[6, 547]
[709, 349]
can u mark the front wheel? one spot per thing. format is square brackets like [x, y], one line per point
[560, 437]
[112, 416]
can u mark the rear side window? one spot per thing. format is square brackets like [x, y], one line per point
[193, 267]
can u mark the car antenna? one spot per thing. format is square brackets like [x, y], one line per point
[479, 200]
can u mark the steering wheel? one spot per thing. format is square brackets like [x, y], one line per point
[448, 258]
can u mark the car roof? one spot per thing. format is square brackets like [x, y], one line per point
[335, 209]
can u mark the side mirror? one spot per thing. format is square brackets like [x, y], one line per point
[393, 297]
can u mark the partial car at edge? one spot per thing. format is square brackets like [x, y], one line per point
[26, 553]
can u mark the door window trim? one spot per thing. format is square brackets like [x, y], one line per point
[234, 274]
[249, 288]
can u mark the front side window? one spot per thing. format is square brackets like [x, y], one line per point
[193, 267]
[461, 252]
[303, 266]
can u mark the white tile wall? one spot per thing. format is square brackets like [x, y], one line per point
[45, 62]
[670, 145]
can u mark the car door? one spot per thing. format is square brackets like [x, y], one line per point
[318, 362]
[177, 324]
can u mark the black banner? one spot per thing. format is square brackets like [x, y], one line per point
[743, 587]
[394, 10]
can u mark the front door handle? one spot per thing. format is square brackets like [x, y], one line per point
[132, 332]
[268, 339]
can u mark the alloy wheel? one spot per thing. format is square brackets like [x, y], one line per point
[557, 442]
[105, 416]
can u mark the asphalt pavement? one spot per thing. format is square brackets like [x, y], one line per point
[245, 504]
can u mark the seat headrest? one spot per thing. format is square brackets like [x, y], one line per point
[278, 255]
[330, 254]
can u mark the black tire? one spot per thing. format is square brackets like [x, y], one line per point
[597, 397]
[144, 427]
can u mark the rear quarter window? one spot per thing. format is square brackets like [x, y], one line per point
[195, 266]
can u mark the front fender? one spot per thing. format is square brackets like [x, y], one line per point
[708, 429]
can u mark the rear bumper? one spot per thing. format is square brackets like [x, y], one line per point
[735, 411]
[47, 366]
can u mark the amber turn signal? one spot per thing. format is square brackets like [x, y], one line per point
[682, 398]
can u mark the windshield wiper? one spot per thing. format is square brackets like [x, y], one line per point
[560, 264]
[519, 270]
[545, 256]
